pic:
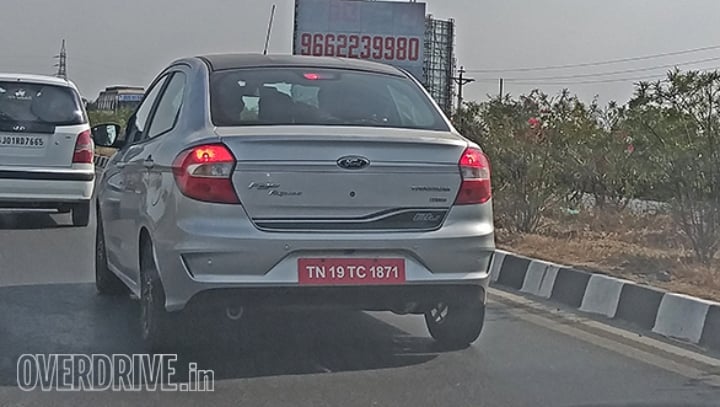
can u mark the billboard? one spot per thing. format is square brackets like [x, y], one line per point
[383, 31]
[130, 98]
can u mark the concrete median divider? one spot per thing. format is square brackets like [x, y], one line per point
[639, 304]
[540, 278]
[100, 161]
[682, 317]
[668, 314]
[602, 295]
[569, 286]
[513, 270]
[711, 331]
[496, 265]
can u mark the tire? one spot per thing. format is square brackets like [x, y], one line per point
[106, 282]
[81, 214]
[156, 324]
[456, 325]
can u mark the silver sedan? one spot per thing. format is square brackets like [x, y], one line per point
[244, 181]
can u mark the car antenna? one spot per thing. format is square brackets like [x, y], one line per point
[269, 31]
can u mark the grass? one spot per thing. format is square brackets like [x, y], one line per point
[648, 249]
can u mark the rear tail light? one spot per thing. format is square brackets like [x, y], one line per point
[205, 173]
[84, 149]
[475, 172]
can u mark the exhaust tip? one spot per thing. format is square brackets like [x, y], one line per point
[234, 313]
[406, 308]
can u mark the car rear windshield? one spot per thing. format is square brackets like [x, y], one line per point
[32, 103]
[306, 96]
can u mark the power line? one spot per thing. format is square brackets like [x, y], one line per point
[539, 83]
[591, 75]
[596, 63]
[529, 82]
[634, 79]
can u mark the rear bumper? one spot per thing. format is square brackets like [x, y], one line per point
[401, 299]
[47, 175]
[37, 188]
[207, 254]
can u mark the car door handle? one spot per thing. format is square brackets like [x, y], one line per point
[148, 163]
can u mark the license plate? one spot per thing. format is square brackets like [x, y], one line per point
[22, 141]
[334, 271]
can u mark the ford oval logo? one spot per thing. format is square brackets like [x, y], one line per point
[353, 162]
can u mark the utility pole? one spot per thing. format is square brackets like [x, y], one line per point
[502, 84]
[461, 80]
[62, 62]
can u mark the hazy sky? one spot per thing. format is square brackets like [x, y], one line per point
[129, 41]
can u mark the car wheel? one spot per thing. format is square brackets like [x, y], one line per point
[106, 282]
[81, 214]
[155, 321]
[456, 325]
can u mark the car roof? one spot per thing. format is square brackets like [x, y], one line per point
[219, 62]
[42, 79]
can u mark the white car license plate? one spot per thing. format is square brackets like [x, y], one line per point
[22, 141]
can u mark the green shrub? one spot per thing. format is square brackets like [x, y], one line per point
[119, 117]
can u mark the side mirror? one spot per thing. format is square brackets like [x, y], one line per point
[107, 135]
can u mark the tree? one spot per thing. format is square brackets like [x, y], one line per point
[519, 137]
[599, 154]
[677, 126]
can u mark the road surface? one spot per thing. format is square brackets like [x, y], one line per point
[326, 358]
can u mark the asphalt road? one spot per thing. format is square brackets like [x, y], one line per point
[318, 358]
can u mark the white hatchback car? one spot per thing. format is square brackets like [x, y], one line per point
[46, 147]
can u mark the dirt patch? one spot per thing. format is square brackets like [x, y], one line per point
[646, 249]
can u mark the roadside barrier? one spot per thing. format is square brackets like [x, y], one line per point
[669, 314]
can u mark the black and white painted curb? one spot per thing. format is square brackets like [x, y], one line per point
[100, 161]
[669, 314]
